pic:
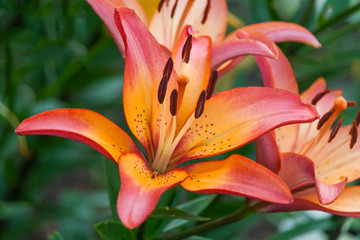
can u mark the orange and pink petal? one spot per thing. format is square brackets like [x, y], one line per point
[347, 204]
[145, 62]
[248, 113]
[242, 44]
[141, 188]
[298, 171]
[105, 10]
[81, 125]
[236, 175]
[284, 32]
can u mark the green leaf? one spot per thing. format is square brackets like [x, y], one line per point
[112, 184]
[10, 210]
[166, 212]
[55, 236]
[197, 238]
[311, 225]
[111, 230]
[194, 206]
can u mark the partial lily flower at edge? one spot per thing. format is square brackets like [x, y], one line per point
[177, 119]
[315, 160]
[207, 18]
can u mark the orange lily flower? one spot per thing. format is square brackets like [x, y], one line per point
[314, 160]
[173, 114]
[207, 18]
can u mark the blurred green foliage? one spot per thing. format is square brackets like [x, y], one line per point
[57, 53]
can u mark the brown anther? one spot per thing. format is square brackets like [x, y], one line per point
[200, 105]
[317, 98]
[357, 119]
[324, 118]
[173, 9]
[354, 134]
[186, 49]
[206, 12]
[351, 104]
[168, 68]
[162, 89]
[211, 85]
[335, 130]
[161, 3]
[173, 102]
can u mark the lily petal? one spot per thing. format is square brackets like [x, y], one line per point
[144, 67]
[105, 10]
[347, 204]
[277, 73]
[167, 29]
[196, 71]
[141, 188]
[267, 152]
[236, 175]
[309, 131]
[244, 44]
[81, 125]
[339, 161]
[298, 171]
[284, 32]
[247, 117]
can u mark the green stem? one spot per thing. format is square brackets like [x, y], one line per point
[238, 215]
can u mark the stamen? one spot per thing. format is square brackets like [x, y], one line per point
[161, 3]
[206, 12]
[324, 118]
[211, 85]
[357, 119]
[335, 130]
[173, 9]
[162, 89]
[182, 82]
[186, 49]
[168, 68]
[351, 104]
[354, 134]
[200, 105]
[173, 102]
[317, 98]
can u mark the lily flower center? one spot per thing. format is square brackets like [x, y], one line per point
[325, 134]
[171, 134]
[179, 16]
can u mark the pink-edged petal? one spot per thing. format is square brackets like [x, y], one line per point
[284, 32]
[267, 152]
[347, 204]
[277, 73]
[337, 161]
[81, 125]
[298, 172]
[145, 62]
[188, 12]
[243, 44]
[326, 102]
[236, 175]
[197, 71]
[141, 188]
[238, 116]
[105, 10]
[307, 132]
[328, 193]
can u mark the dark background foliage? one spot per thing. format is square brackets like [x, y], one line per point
[57, 53]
